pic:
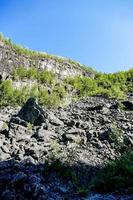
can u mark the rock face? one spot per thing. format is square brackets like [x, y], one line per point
[10, 57]
[84, 134]
[31, 113]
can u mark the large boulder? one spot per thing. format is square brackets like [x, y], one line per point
[128, 104]
[31, 113]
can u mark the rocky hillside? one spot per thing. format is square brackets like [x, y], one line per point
[66, 132]
[57, 154]
[13, 56]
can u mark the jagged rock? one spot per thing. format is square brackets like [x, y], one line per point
[128, 104]
[76, 131]
[97, 144]
[45, 135]
[54, 120]
[3, 127]
[5, 149]
[3, 155]
[105, 134]
[31, 113]
[86, 131]
[17, 120]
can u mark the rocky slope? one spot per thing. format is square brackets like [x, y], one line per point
[84, 136]
[58, 153]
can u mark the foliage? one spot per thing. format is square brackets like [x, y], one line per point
[115, 176]
[115, 135]
[83, 85]
[29, 126]
[12, 96]
[55, 150]
[6, 92]
[115, 85]
[49, 100]
[44, 77]
[5, 125]
[62, 170]
[108, 85]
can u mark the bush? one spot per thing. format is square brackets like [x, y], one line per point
[115, 85]
[43, 77]
[116, 176]
[84, 85]
[46, 77]
[19, 73]
[32, 72]
[50, 100]
[6, 92]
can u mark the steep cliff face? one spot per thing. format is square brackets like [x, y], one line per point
[14, 56]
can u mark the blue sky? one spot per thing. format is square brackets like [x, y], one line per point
[97, 33]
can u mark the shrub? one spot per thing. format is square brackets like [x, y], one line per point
[46, 77]
[115, 176]
[32, 72]
[115, 135]
[43, 77]
[6, 92]
[116, 92]
[19, 73]
[84, 85]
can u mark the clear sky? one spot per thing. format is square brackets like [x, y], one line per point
[97, 33]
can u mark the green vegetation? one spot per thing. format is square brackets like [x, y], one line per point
[62, 170]
[29, 126]
[12, 96]
[5, 126]
[42, 76]
[83, 85]
[116, 176]
[52, 93]
[21, 73]
[115, 136]
[115, 85]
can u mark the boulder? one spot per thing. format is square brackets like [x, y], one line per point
[31, 113]
[76, 131]
[128, 104]
[54, 120]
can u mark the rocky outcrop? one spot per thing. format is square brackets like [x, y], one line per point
[10, 58]
[31, 113]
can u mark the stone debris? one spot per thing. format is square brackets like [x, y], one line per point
[80, 133]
